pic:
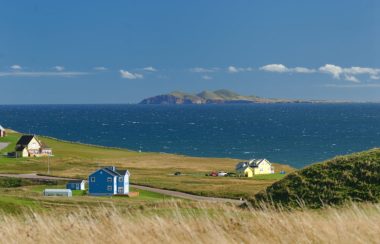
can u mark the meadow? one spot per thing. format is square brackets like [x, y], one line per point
[150, 169]
[189, 222]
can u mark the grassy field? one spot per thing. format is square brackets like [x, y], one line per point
[189, 222]
[150, 169]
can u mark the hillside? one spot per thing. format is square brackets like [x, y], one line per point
[212, 97]
[354, 177]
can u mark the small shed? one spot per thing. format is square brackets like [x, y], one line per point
[76, 185]
[57, 193]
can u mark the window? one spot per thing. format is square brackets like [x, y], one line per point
[120, 179]
[120, 189]
[77, 186]
[109, 179]
[92, 179]
[109, 188]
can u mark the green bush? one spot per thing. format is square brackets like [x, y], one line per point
[354, 177]
[10, 182]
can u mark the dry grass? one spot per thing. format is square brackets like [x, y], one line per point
[184, 222]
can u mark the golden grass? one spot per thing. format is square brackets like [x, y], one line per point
[185, 222]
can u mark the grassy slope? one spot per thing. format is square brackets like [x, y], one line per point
[353, 177]
[152, 169]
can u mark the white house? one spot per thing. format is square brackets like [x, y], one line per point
[30, 146]
[2, 131]
[254, 167]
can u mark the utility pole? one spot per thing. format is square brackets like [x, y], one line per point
[48, 165]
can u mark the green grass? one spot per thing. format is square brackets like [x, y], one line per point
[150, 169]
[353, 177]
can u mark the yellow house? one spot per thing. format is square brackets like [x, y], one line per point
[254, 167]
[30, 146]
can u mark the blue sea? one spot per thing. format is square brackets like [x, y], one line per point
[294, 134]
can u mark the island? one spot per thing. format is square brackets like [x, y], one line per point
[217, 97]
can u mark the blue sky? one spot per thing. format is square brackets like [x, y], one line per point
[123, 51]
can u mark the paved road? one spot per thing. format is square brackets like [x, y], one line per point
[3, 145]
[146, 188]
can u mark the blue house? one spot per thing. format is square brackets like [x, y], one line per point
[108, 181]
[76, 185]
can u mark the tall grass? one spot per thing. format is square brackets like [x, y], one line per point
[181, 222]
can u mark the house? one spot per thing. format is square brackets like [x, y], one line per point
[108, 181]
[57, 193]
[254, 167]
[30, 146]
[76, 185]
[2, 131]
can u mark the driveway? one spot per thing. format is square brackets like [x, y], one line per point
[3, 145]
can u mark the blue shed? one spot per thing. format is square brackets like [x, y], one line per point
[76, 185]
[108, 181]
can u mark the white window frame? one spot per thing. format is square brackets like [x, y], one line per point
[92, 179]
[109, 188]
[109, 179]
[121, 179]
[120, 189]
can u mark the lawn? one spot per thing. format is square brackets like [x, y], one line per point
[150, 169]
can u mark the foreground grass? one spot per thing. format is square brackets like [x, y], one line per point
[185, 222]
[150, 169]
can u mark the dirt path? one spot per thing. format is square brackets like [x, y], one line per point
[145, 188]
[35, 177]
[187, 195]
[3, 145]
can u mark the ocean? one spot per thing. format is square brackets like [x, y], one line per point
[294, 134]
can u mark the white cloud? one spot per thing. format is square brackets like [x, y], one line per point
[204, 70]
[16, 67]
[41, 74]
[59, 68]
[303, 70]
[233, 69]
[150, 68]
[207, 77]
[361, 70]
[351, 78]
[279, 68]
[334, 70]
[349, 74]
[128, 75]
[100, 68]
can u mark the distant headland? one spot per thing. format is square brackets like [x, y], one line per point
[219, 97]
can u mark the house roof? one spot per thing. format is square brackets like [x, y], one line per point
[20, 148]
[25, 140]
[76, 181]
[2, 128]
[252, 163]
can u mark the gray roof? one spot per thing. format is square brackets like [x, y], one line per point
[76, 181]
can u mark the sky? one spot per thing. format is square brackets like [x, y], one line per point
[81, 52]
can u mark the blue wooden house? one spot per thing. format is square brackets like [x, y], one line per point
[108, 181]
[76, 185]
